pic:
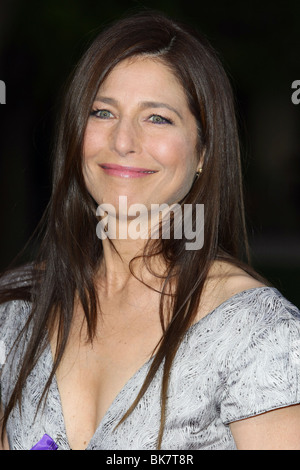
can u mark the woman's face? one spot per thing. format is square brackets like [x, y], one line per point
[141, 138]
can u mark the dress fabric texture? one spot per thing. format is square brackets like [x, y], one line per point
[240, 360]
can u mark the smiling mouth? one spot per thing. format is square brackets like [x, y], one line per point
[125, 171]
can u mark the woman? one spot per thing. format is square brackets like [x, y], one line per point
[125, 342]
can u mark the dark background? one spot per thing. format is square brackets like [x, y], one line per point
[259, 43]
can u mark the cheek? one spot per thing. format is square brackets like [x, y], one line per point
[87, 147]
[176, 154]
[90, 149]
[91, 143]
[164, 150]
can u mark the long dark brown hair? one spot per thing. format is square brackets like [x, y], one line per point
[70, 252]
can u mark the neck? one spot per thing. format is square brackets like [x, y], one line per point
[115, 272]
[124, 238]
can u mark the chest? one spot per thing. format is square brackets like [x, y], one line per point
[193, 421]
[91, 375]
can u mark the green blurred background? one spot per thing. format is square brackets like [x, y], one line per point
[259, 44]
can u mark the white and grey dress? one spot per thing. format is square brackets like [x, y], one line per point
[240, 360]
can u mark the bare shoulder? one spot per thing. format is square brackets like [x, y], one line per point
[223, 282]
[231, 279]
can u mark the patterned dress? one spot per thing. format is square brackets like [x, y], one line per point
[240, 360]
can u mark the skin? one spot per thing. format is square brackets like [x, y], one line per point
[275, 430]
[141, 118]
[124, 131]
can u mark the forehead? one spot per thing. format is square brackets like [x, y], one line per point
[143, 74]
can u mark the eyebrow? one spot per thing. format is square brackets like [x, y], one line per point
[142, 105]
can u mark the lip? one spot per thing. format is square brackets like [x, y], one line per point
[126, 171]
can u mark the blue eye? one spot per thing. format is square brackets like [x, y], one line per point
[157, 119]
[101, 113]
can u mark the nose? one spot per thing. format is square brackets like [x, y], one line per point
[126, 139]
